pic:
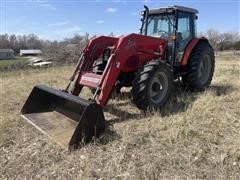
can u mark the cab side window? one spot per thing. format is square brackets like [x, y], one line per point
[184, 33]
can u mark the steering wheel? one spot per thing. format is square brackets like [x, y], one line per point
[164, 33]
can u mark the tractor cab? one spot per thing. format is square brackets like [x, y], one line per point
[177, 24]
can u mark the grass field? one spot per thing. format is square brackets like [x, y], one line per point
[6, 63]
[197, 138]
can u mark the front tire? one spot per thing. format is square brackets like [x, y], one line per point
[152, 85]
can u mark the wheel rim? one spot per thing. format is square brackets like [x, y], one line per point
[204, 68]
[158, 88]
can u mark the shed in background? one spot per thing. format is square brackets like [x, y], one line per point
[6, 54]
[30, 52]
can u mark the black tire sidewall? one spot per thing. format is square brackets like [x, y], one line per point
[207, 51]
[140, 89]
[191, 79]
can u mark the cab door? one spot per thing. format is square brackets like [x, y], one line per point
[185, 32]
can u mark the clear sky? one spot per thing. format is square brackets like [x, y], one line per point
[56, 19]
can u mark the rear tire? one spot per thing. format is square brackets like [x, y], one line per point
[200, 67]
[152, 85]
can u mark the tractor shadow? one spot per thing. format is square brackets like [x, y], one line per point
[108, 136]
[122, 109]
[121, 114]
[180, 101]
[222, 90]
[182, 98]
[117, 116]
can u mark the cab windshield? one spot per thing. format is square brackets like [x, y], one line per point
[160, 26]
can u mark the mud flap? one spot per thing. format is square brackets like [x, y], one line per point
[69, 120]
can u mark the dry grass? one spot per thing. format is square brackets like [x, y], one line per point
[199, 136]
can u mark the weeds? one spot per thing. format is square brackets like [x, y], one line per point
[197, 138]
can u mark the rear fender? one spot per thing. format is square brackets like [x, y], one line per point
[188, 50]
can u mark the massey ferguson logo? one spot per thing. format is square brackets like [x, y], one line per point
[130, 44]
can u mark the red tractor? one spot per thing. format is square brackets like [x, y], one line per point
[166, 50]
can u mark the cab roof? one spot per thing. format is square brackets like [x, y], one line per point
[171, 9]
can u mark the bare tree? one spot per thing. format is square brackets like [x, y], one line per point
[213, 37]
[227, 40]
[222, 41]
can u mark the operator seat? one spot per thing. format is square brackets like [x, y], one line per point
[180, 41]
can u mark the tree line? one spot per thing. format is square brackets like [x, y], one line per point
[223, 41]
[68, 49]
[16, 43]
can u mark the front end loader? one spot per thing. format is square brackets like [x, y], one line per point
[148, 62]
[71, 120]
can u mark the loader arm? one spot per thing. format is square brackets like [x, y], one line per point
[94, 49]
[71, 120]
[147, 48]
[91, 52]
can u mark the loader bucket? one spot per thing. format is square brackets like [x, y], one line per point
[69, 120]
